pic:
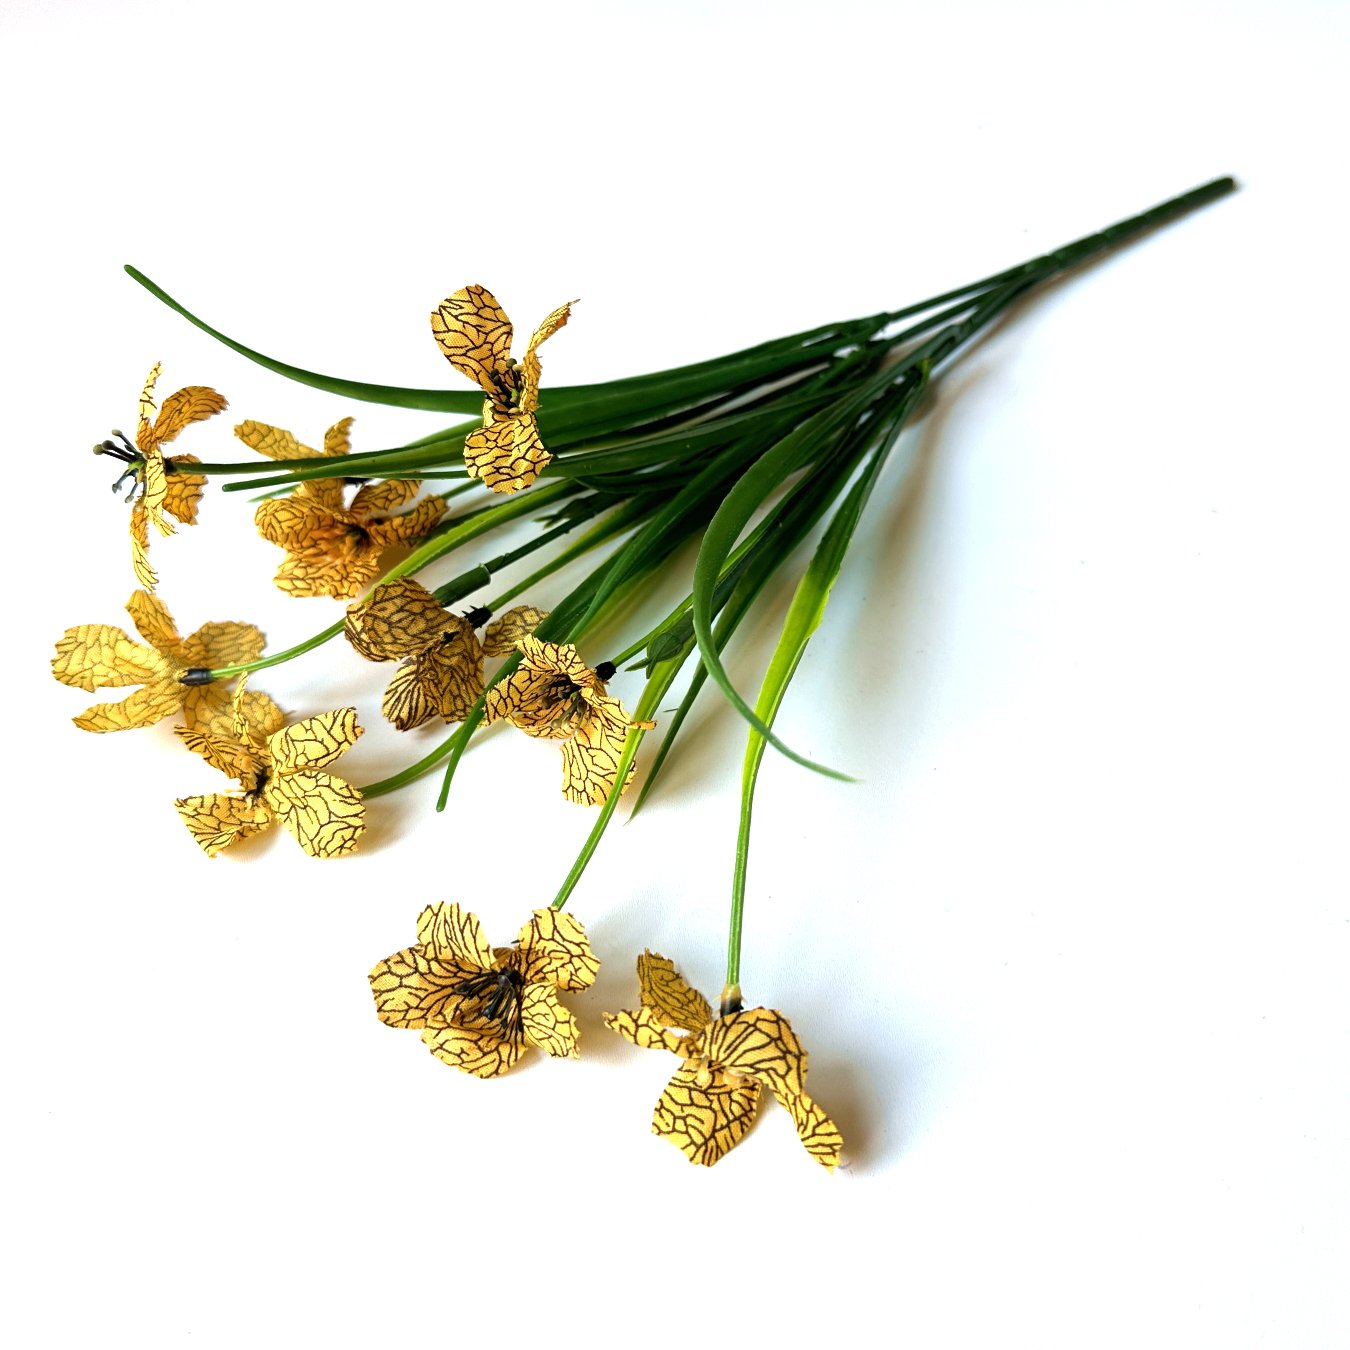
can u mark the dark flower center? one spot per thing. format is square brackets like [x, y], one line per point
[492, 998]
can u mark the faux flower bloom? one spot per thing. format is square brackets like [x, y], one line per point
[474, 333]
[332, 550]
[280, 772]
[553, 693]
[442, 670]
[477, 1007]
[159, 493]
[276, 443]
[99, 656]
[726, 1062]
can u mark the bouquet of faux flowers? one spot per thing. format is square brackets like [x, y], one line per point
[753, 453]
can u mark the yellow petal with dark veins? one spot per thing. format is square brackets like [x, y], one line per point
[381, 497]
[529, 389]
[192, 403]
[223, 751]
[397, 619]
[555, 950]
[758, 1043]
[315, 741]
[325, 815]
[443, 681]
[410, 526]
[154, 622]
[140, 543]
[644, 1030]
[274, 442]
[503, 633]
[220, 818]
[155, 481]
[591, 757]
[99, 656]
[141, 708]
[448, 930]
[819, 1134]
[671, 999]
[546, 1023]
[506, 452]
[223, 644]
[208, 707]
[415, 988]
[296, 523]
[705, 1122]
[145, 409]
[483, 1052]
[182, 491]
[474, 334]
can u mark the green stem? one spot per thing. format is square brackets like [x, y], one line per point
[247, 667]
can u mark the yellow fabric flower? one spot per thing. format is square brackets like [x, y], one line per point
[477, 1007]
[99, 656]
[555, 694]
[335, 550]
[279, 769]
[473, 331]
[276, 443]
[710, 1103]
[442, 657]
[158, 493]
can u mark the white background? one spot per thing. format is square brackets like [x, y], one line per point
[1070, 962]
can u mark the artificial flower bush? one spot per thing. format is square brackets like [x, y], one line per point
[752, 454]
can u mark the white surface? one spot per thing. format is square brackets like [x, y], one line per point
[1070, 964]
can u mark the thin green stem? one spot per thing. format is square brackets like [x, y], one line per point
[277, 658]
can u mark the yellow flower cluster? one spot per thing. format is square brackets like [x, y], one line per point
[477, 1007]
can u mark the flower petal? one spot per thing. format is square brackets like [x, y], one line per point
[506, 452]
[446, 930]
[644, 1030]
[665, 992]
[443, 681]
[758, 1043]
[314, 741]
[155, 484]
[141, 708]
[590, 758]
[99, 656]
[410, 526]
[221, 751]
[525, 698]
[182, 491]
[483, 1052]
[819, 1134]
[555, 950]
[223, 644]
[274, 442]
[298, 523]
[546, 1023]
[705, 1122]
[219, 818]
[154, 623]
[324, 814]
[140, 543]
[384, 495]
[529, 390]
[415, 988]
[192, 403]
[146, 409]
[502, 634]
[397, 619]
[474, 334]
[209, 708]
